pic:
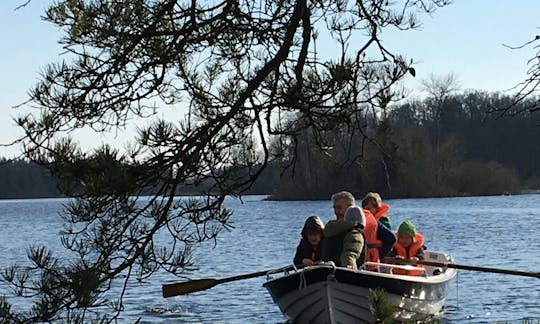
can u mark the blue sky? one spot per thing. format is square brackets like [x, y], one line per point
[465, 38]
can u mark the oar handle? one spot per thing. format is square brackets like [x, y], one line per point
[259, 273]
[245, 276]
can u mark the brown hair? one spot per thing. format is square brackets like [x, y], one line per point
[372, 198]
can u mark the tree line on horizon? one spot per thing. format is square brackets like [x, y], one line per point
[420, 148]
[465, 144]
[24, 179]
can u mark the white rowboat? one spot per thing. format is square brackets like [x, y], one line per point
[325, 294]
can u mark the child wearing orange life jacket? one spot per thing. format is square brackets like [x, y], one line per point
[373, 202]
[372, 244]
[385, 238]
[409, 245]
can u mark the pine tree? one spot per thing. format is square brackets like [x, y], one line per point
[236, 67]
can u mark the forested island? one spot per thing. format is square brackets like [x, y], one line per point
[458, 146]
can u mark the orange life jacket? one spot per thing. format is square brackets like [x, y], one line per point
[370, 231]
[382, 212]
[412, 251]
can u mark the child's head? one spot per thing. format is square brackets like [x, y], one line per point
[372, 202]
[314, 236]
[406, 233]
[313, 230]
[356, 214]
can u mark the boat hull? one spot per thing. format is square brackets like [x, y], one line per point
[327, 294]
[327, 302]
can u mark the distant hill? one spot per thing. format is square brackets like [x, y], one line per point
[23, 179]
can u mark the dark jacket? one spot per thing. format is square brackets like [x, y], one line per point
[305, 250]
[388, 239]
[343, 243]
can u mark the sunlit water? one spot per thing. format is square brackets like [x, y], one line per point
[485, 231]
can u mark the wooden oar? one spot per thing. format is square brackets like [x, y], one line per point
[463, 267]
[187, 287]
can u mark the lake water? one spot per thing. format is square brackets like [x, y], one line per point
[500, 231]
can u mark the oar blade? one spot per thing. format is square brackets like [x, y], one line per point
[187, 287]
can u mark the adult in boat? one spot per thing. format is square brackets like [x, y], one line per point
[409, 245]
[308, 251]
[344, 239]
[341, 201]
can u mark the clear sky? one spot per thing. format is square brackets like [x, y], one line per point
[465, 38]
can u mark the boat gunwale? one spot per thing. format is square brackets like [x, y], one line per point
[447, 275]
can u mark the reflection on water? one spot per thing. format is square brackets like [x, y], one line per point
[485, 231]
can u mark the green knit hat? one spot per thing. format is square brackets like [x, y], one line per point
[407, 228]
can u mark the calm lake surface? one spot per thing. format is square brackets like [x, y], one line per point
[500, 231]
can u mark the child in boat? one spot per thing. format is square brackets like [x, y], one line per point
[373, 202]
[409, 245]
[380, 236]
[308, 251]
[344, 239]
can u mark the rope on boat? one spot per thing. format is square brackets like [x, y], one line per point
[332, 277]
[303, 281]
